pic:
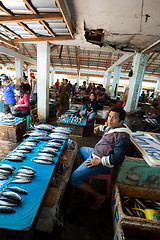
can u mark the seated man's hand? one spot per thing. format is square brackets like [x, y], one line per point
[96, 129]
[88, 114]
[93, 162]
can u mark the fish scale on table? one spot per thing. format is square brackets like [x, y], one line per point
[22, 155]
[28, 148]
[27, 167]
[32, 144]
[48, 150]
[5, 172]
[5, 203]
[44, 154]
[32, 139]
[3, 177]
[27, 171]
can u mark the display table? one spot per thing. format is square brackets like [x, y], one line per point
[22, 222]
[13, 131]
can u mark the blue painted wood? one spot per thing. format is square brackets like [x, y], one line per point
[137, 172]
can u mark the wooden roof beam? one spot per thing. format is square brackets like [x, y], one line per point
[31, 17]
[35, 12]
[8, 12]
[62, 8]
[58, 38]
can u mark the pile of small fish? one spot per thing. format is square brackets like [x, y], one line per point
[24, 175]
[73, 120]
[130, 202]
[46, 154]
[5, 169]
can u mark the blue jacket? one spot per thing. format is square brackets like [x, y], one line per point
[8, 91]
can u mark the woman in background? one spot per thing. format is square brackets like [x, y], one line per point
[21, 109]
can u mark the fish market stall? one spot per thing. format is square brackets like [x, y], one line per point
[71, 119]
[12, 128]
[137, 189]
[25, 175]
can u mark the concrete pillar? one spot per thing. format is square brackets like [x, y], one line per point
[109, 74]
[104, 80]
[43, 70]
[158, 86]
[78, 78]
[135, 82]
[117, 73]
[52, 77]
[19, 70]
[4, 69]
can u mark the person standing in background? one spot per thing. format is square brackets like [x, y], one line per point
[57, 84]
[8, 94]
[34, 89]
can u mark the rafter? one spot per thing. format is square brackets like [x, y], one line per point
[10, 31]
[9, 13]
[58, 38]
[78, 58]
[34, 48]
[69, 56]
[152, 60]
[35, 12]
[31, 17]
[26, 50]
[53, 48]
[9, 43]
[7, 58]
[98, 60]
[62, 8]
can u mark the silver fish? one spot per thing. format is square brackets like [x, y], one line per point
[38, 133]
[32, 144]
[23, 151]
[46, 127]
[8, 200]
[12, 195]
[18, 189]
[27, 167]
[54, 149]
[5, 209]
[7, 167]
[23, 175]
[13, 159]
[3, 177]
[5, 172]
[5, 203]
[44, 158]
[42, 162]
[45, 154]
[26, 171]
[32, 139]
[21, 180]
[43, 138]
[59, 136]
[18, 154]
[54, 144]
[48, 150]
[28, 148]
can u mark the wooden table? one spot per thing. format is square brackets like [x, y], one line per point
[13, 132]
[77, 130]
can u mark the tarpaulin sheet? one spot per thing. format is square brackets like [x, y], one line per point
[4, 121]
[26, 211]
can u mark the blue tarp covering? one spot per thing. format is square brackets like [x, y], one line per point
[27, 209]
[17, 120]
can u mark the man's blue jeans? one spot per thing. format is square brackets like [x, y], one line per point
[82, 173]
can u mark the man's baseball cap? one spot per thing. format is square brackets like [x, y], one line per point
[4, 77]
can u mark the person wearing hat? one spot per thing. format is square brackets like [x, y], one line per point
[23, 107]
[8, 94]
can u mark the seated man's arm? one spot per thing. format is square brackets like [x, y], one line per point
[118, 154]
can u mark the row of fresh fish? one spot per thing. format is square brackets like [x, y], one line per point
[10, 199]
[5, 169]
